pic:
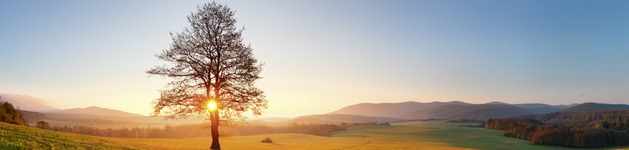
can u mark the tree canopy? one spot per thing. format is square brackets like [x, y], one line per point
[209, 62]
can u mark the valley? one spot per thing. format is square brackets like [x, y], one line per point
[404, 135]
[411, 125]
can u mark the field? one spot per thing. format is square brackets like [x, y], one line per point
[408, 135]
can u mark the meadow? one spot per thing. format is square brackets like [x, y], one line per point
[406, 135]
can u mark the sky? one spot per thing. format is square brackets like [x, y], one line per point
[320, 56]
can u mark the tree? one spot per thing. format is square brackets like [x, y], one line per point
[211, 68]
[10, 114]
[43, 125]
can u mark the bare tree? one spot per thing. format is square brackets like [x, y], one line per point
[213, 71]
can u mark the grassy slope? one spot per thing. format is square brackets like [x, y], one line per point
[411, 135]
[20, 137]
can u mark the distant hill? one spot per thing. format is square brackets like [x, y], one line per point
[25, 102]
[34, 104]
[469, 112]
[267, 121]
[97, 111]
[589, 107]
[32, 117]
[101, 118]
[496, 102]
[339, 118]
[586, 113]
[537, 108]
[439, 112]
[447, 110]
[100, 121]
[393, 110]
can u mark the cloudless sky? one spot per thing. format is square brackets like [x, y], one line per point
[323, 55]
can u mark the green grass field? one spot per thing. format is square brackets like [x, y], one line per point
[409, 135]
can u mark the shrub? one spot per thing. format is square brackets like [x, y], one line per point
[43, 125]
[267, 140]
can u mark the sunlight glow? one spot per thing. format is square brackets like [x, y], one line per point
[211, 106]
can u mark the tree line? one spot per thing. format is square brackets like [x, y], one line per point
[582, 117]
[613, 130]
[199, 130]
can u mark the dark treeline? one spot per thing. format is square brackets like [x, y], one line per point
[579, 136]
[610, 128]
[519, 128]
[305, 128]
[202, 130]
[310, 128]
[580, 117]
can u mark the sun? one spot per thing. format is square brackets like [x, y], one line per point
[211, 106]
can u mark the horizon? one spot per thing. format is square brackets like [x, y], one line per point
[39, 101]
[73, 54]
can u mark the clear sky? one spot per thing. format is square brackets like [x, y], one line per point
[323, 55]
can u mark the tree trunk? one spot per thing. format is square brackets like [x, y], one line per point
[214, 129]
[217, 97]
[214, 118]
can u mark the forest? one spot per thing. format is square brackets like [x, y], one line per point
[580, 117]
[595, 129]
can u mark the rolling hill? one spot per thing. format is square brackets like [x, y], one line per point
[586, 113]
[588, 107]
[339, 118]
[393, 110]
[26, 102]
[468, 112]
[32, 117]
[447, 110]
[67, 119]
[540, 108]
[590, 117]
[101, 118]
[95, 111]
[459, 110]
[34, 104]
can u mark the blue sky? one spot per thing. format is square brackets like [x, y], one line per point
[322, 55]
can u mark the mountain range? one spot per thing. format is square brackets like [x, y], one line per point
[466, 111]
[26, 102]
[34, 109]
[447, 110]
[394, 110]
[100, 117]
[456, 110]
[33, 104]
[589, 107]
[340, 118]
[94, 110]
